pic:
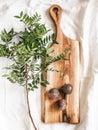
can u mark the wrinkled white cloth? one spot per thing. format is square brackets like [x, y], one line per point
[79, 21]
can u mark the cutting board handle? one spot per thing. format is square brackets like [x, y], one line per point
[56, 13]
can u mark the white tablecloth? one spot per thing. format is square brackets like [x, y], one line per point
[79, 21]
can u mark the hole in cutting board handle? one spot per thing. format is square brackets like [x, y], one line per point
[55, 10]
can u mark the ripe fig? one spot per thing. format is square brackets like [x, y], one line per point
[67, 89]
[53, 93]
[61, 104]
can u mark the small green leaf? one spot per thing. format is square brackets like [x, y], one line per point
[11, 80]
[5, 75]
[21, 13]
[17, 16]
[50, 50]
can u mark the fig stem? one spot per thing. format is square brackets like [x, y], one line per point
[64, 96]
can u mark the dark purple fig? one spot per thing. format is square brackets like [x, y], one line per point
[61, 104]
[53, 93]
[67, 89]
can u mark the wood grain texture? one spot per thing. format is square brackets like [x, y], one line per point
[50, 114]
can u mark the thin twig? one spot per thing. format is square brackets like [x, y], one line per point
[28, 105]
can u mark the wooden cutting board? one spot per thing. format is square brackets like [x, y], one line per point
[50, 114]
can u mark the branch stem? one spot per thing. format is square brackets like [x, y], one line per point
[28, 104]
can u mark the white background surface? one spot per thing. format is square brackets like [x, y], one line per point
[79, 21]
